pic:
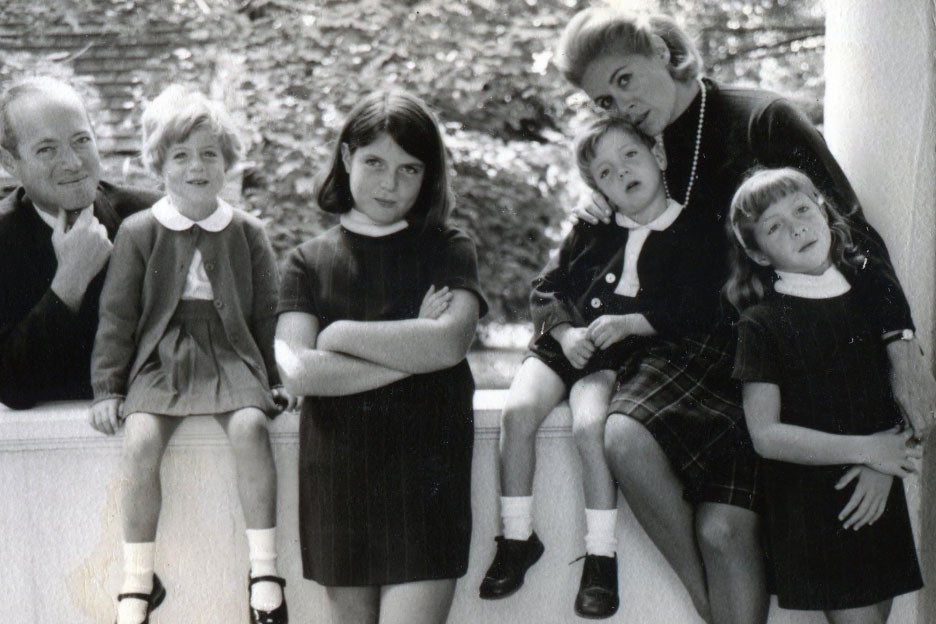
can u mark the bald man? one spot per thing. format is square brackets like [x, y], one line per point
[56, 230]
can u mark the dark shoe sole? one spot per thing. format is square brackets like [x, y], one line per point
[497, 596]
[597, 616]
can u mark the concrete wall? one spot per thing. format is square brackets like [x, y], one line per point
[60, 558]
[880, 110]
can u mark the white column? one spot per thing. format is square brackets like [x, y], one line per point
[880, 121]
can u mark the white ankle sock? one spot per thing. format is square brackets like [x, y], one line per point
[139, 561]
[517, 515]
[600, 538]
[266, 595]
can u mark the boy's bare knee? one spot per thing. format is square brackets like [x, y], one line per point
[520, 421]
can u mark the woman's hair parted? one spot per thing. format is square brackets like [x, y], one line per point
[408, 121]
[174, 114]
[761, 188]
[597, 31]
[586, 143]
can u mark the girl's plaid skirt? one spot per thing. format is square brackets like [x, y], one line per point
[682, 392]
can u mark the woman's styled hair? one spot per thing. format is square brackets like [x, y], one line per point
[175, 114]
[597, 31]
[408, 121]
[587, 142]
[761, 188]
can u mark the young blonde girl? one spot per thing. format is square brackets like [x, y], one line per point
[817, 400]
[187, 322]
[376, 316]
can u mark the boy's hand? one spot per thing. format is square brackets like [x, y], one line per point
[575, 344]
[435, 302]
[105, 415]
[285, 401]
[592, 209]
[608, 329]
[869, 498]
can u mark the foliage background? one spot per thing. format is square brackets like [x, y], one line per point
[291, 69]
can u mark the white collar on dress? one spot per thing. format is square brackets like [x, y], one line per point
[663, 220]
[830, 284]
[50, 220]
[359, 223]
[170, 217]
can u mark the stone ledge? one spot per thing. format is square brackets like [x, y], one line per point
[64, 425]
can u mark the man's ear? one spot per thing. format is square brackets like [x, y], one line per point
[9, 162]
[757, 257]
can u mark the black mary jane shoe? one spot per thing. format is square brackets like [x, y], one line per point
[511, 562]
[279, 615]
[152, 599]
[597, 596]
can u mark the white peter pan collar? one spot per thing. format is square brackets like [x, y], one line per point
[830, 284]
[359, 223]
[663, 220]
[169, 216]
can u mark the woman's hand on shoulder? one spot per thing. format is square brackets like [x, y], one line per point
[592, 209]
[435, 303]
[913, 385]
[894, 452]
[869, 499]
[105, 415]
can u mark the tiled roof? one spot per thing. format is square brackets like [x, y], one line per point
[118, 65]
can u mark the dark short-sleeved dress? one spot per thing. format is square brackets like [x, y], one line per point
[827, 357]
[384, 483]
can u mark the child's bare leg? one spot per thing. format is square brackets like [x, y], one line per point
[256, 482]
[729, 539]
[256, 472]
[354, 605]
[597, 596]
[145, 440]
[534, 392]
[654, 494]
[421, 602]
[589, 400]
[873, 614]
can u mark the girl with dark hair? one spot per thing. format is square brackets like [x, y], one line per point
[376, 316]
[811, 353]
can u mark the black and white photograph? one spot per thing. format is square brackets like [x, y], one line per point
[467, 311]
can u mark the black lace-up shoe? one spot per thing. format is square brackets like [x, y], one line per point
[513, 559]
[597, 596]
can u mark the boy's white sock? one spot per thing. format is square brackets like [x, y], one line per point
[139, 562]
[599, 532]
[517, 515]
[265, 595]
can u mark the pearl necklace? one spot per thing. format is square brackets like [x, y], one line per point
[695, 151]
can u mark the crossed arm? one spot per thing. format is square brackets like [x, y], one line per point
[355, 356]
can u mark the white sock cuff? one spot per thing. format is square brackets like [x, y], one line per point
[600, 537]
[139, 557]
[513, 506]
[262, 543]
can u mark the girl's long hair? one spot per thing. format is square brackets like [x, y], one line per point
[408, 121]
[749, 281]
